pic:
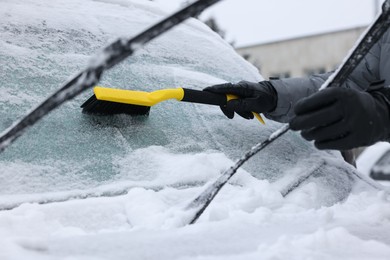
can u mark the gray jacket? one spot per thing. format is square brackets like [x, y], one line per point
[374, 67]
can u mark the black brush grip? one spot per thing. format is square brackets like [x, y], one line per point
[204, 97]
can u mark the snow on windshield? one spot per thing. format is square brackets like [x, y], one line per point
[138, 173]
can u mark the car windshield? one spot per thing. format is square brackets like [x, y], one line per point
[71, 151]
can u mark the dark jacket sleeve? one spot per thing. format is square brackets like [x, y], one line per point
[291, 90]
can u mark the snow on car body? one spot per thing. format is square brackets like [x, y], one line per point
[143, 168]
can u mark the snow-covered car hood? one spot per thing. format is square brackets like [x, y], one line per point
[138, 173]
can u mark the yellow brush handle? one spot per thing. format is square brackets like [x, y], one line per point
[257, 115]
[140, 98]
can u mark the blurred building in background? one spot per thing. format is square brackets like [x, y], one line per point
[301, 56]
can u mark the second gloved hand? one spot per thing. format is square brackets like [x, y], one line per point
[341, 119]
[256, 97]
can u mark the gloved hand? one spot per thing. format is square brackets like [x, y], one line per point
[341, 118]
[256, 97]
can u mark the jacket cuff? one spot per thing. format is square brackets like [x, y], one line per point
[283, 105]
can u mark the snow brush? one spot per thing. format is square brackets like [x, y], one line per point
[109, 101]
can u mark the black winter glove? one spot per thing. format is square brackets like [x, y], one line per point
[253, 97]
[341, 119]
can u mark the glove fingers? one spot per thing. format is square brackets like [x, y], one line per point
[259, 104]
[230, 113]
[239, 89]
[338, 144]
[238, 105]
[220, 88]
[245, 114]
[317, 101]
[335, 131]
[322, 117]
[241, 107]
[227, 112]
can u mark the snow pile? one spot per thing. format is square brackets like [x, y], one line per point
[248, 220]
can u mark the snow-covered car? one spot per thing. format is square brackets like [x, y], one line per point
[114, 187]
[374, 162]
